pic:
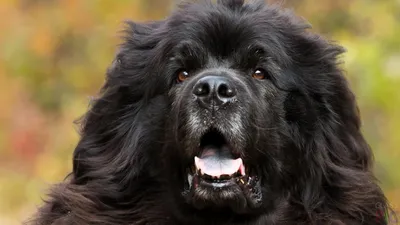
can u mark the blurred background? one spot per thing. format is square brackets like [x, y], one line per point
[54, 54]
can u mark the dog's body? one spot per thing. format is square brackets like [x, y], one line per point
[226, 113]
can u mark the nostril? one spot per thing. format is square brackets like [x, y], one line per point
[225, 91]
[202, 89]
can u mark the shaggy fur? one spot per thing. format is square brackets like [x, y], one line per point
[298, 127]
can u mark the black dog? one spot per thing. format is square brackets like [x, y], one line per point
[226, 113]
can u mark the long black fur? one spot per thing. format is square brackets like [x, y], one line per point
[322, 164]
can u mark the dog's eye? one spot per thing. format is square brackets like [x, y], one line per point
[259, 74]
[182, 75]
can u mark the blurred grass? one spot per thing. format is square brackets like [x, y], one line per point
[54, 55]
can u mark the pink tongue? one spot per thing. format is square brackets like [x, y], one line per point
[217, 162]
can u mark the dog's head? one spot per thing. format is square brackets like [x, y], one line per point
[229, 107]
[244, 94]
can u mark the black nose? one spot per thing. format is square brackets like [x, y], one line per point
[214, 91]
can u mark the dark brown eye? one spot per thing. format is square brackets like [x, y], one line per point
[182, 75]
[259, 74]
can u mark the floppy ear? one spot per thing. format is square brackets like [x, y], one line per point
[109, 159]
[340, 156]
[115, 130]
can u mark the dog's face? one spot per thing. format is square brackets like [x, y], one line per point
[230, 98]
[223, 110]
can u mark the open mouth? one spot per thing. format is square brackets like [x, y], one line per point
[219, 177]
[217, 165]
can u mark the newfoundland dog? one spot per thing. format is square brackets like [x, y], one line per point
[223, 113]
